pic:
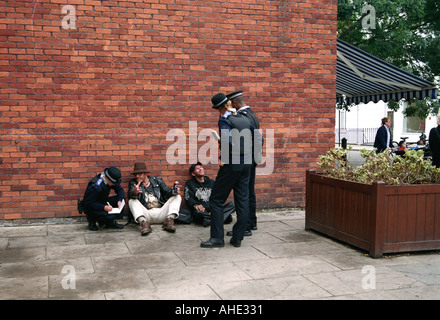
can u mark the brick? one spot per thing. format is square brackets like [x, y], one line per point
[107, 92]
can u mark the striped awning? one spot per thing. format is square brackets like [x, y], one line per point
[361, 77]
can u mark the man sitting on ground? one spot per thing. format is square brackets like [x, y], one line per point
[151, 201]
[197, 193]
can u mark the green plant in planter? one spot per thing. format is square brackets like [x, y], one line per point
[400, 170]
[413, 169]
[377, 167]
[335, 164]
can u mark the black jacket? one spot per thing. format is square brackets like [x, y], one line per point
[434, 145]
[198, 193]
[257, 139]
[97, 193]
[380, 141]
[160, 190]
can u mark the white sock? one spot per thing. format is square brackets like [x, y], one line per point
[141, 219]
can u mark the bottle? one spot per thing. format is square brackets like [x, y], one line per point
[176, 185]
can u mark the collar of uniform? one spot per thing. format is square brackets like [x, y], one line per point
[243, 108]
[103, 178]
[229, 112]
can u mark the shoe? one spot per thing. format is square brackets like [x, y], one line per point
[92, 224]
[206, 222]
[235, 243]
[114, 225]
[145, 228]
[168, 225]
[247, 233]
[254, 228]
[213, 243]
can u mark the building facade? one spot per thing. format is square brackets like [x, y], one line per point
[89, 84]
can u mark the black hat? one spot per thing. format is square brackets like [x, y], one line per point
[193, 167]
[218, 100]
[234, 95]
[113, 174]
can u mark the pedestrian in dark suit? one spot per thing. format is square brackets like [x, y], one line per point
[240, 105]
[234, 172]
[434, 143]
[383, 140]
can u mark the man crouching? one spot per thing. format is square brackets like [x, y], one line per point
[151, 201]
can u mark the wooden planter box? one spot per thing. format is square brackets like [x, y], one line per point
[377, 218]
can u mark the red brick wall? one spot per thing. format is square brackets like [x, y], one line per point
[74, 101]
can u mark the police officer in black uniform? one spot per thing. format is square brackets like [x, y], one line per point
[234, 173]
[239, 104]
[97, 203]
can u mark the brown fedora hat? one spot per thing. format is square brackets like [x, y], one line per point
[140, 168]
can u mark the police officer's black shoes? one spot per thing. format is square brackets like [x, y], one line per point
[114, 225]
[93, 227]
[213, 243]
[92, 224]
[235, 243]
[247, 233]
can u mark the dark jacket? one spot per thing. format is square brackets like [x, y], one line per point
[247, 111]
[235, 145]
[257, 139]
[160, 191]
[198, 193]
[380, 142]
[434, 145]
[97, 193]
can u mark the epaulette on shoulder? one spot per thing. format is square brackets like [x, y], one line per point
[99, 181]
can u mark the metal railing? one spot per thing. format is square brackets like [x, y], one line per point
[356, 135]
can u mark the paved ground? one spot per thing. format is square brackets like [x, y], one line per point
[279, 261]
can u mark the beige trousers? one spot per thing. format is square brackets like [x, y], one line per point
[155, 215]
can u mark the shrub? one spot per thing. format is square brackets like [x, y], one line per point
[410, 168]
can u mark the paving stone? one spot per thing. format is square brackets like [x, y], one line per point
[279, 261]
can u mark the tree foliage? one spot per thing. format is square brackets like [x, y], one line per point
[406, 32]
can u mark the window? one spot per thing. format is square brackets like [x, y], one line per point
[411, 124]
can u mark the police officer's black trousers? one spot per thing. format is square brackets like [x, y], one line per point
[102, 217]
[252, 221]
[230, 177]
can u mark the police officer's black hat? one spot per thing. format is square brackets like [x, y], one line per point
[219, 100]
[234, 95]
[113, 174]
